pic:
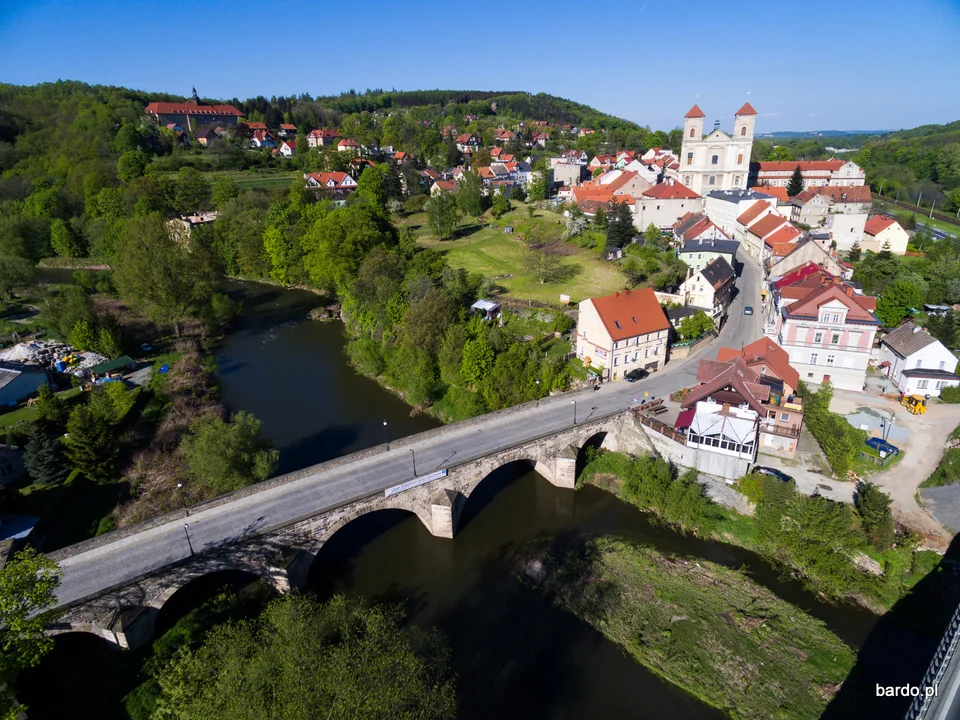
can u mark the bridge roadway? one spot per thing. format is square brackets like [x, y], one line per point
[94, 567]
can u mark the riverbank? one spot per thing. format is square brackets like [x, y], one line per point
[706, 628]
[835, 571]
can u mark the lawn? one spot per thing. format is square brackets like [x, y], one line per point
[494, 254]
[250, 179]
[28, 413]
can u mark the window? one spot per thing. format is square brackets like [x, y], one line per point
[616, 361]
[772, 414]
[940, 384]
[736, 181]
[942, 364]
[809, 375]
[713, 180]
[715, 159]
[646, 353]
[818, 337]
[739, 158]
[686, 181]
[919, 363]
[689, 158]
[693, 132]
[636, 356]
[580, 352]
[922, 384]
[743, 131]
[813, 358]
[835, 339]
[829, 359]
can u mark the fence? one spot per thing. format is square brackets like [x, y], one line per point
[938, 668]
[644, 418]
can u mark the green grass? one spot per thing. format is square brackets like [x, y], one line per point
[863, 467]
[922, 216]
[491, 252]
[24, 413]
[947, 472]
[708, 629]
[250, 179]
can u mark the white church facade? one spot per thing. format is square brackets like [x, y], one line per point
[716, 161]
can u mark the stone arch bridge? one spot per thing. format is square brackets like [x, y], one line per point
[282, 555]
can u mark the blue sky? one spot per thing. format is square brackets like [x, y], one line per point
[816, 64]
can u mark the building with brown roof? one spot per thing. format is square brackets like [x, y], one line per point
[815, 173]
[662, 205]
[621, 332]
[322, 137]
[192, 115]
[711, 289]
[916, 362]
[881, 230]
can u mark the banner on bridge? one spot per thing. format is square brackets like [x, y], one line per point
[416, 482]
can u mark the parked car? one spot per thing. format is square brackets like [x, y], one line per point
[772, 471]
[636, 374]
[748, 310]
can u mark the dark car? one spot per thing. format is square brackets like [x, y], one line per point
[748, 310]
[772, 471]
[634, 375]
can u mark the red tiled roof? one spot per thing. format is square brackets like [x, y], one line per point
[256, 126]
[324, 133]
[630, 313]
[805, 165]
[876, 224]
[447, 185]
[716, 376]
[781, 249]
[786, 234]
[465, 138]
[753, 212]
[801, 273]
[670, 190]
[287, 126]
[780, 193]
[846, 193]
[765, 352]
[695, 112]
[625, 177]
[766, 225]
[348, 142]
[323, 177]
[292, 144]
[170, 108]
[747, 109]
[399, 155]
[858, 305]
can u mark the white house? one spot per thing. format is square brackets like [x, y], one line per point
[716, 161]
[725, 206]
[916, 362]
[816, 173]
[710, 289]
[880, 230]
[664, 204]
[288, 148]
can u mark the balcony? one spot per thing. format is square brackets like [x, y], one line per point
[790, 430]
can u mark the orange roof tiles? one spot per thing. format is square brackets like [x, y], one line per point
[766, 225]
[670, 190]
[805, 165]
[765, 352]
[695, 112]
[747, 109]
[780, 193]
[786, 234]
[630, 313]
[753, 212]
[170, 108]
[876, 224]
[847, 193]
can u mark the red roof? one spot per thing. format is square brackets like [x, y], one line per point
[858, 306]
[767, 225]
[670, 190]
[805, 165]
[465, 138]
[630, 313]
[801, 273]
[622, 179]
[323, 178]
[169, 108]
[752, 212]
[767, 353]
[876, 224]
[780, 193]
[846, 193]
[287, 126]
[786, 234]
[348, 142]
[399, 155]
[324, 133]
[256, 126]
[747, 109]
[695, 112]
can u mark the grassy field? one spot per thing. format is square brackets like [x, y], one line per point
[706, 628]
[922, 216]
[28, 413]
[250, 179]
[491, 252]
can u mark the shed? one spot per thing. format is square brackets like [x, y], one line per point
[16, 384]
[487, 308]
[111, 365]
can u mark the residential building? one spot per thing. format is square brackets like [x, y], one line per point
[697, 254]
[205, 137]
[880, 230]
[335, 185]
[809, 207]
[468, 143]
[623, 182]
[828, 331]
[348, 145]
[662, 205]
[286, 130]
[567, 173]
[710, 289]
[541, 139]
[263, 139]
[323, 137]
[758, 211]
[815, 173]
[848, 199]
[576, 157]
[288, 148]
[916, 362]
[621, 332]
[697, 226]
[778, 245]
[716, 161]
[192, 114]
[757, 230]
[804, 252]
[725, 206]
[605, 162]
[440, 186]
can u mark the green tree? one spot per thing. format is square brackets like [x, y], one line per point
[90, 443]
[896, 300]
[781, 153]
[543, 261]
[15, 272]
[478, 357]
[111, 401]
[876, 517]
[108, 342]
[500, 205]
[191, 191]
[224, 190]
[600, 218]
[855, 252]
[28, 584]
[43, 457]
[443, 214]
[694, 326]
[224, 456]
[337, 244]
[304, 659]
[620, 229]
[372, 186]
[63, 240]
[49, 406]
[795, 186]
[131, 165]
[470, 194]
[82, 336]
[652, 235]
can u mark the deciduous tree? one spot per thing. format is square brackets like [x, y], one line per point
[443, 214]
[500, 205]
[873, 507]
[224, 456]
[470, 195]
[15, 272]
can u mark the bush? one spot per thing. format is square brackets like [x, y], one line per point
[950, 394]
[839, 440]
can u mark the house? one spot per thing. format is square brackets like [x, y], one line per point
[816, 173]
[16, 383]
[205, 137]
[780, 244]
[181, 228]
[725, 206]
[759, 230]
[288, 148]
[828, 331]
[623, 182]
[440, 186]
[697, 254]
[337, 185]
[193, 114]
[541, 139]
[697, 226]
[401, 157]
[810, 208]
[504, 136]
[566, 173]
[916, 362]
[662, 205]
[176, 129]
[622, 332]
[576, 157]
[711, 289]
[804, 251]
[584, 131]
[780, 193]
[286, 129]
[468, 143]
[263, 139]
[348, 145]
[881, 230]
[781, 417]
[322, 138]
[717, 160]
[603, 162]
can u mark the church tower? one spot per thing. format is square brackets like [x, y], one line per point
[746, 117]
[693, 125]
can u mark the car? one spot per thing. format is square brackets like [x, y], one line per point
[634, 375]
[748, 310]
[772, 471]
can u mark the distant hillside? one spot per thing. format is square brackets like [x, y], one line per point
[800, 135]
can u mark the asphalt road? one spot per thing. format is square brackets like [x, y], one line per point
[91, 572]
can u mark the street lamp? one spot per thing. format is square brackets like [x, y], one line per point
[386, 440]
[182, 500]
[538, 392]
[414, 456]
[187, 533]
[574, 411]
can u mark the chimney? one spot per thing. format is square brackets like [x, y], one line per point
[916, 328]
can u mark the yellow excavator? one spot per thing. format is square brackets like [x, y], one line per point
[916, 404]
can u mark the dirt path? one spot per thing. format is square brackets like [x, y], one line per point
[924, 447]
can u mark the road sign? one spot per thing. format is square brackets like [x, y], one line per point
[416, 482]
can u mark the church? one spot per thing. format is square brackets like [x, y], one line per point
[716, 161]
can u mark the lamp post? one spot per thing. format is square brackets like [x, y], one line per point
[187, 534]
[182, 500]
[413, 455]
[574, 411]
[386, 440]
[538, 392]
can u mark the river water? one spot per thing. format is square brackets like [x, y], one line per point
[514, 654]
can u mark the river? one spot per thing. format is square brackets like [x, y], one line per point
[514, 654]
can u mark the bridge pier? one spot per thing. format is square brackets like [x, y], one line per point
[445, 509]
